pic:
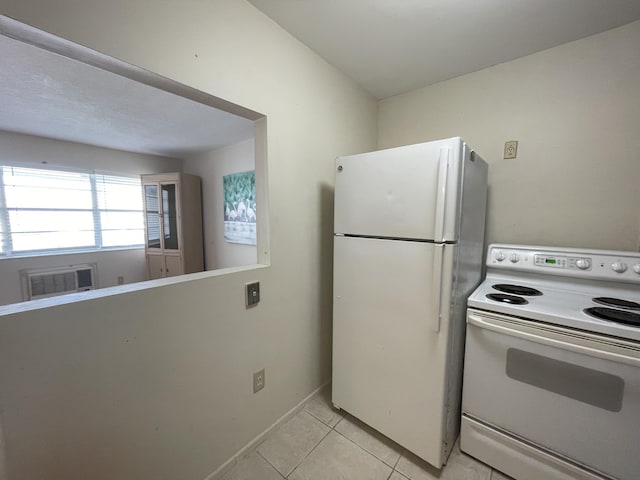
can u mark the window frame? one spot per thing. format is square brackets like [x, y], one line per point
[6, 241]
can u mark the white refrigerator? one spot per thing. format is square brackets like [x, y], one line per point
[408, 245]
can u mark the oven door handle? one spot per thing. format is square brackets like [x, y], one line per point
[552, 342]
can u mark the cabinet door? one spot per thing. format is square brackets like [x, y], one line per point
[170, 222]
[173, 265]
[155, 266]
[152, 216]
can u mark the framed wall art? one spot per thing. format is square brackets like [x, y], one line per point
[240, 207]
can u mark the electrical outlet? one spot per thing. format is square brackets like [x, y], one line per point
[252, 296]
[120, 280]
[510, 149]
[258, 381]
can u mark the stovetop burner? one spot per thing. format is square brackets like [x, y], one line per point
[613, 315]
[504, 298]
[516, 289]
[570, 288]
[617, 302]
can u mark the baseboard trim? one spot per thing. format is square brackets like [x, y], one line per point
[226, 466]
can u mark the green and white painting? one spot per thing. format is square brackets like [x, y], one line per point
[240, 207]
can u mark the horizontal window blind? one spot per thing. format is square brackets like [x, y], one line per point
[2, 238]
[44, 210]
[119, 207]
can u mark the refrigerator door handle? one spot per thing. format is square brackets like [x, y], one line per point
[441, 192]
[436, 289]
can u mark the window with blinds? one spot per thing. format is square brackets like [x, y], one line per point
[44, 210]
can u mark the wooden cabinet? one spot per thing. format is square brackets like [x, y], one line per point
[173, 224]
[167, 265]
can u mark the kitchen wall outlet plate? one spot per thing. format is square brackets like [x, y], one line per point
[510, 149]
[258, 381]
[252, 294]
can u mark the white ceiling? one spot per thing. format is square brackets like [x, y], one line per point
[387, 46]
[393, 46]
[49, 95]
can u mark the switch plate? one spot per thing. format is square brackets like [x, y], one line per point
[510, 149]
[252, 291]
[258, 381]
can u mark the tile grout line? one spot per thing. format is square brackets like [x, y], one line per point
[398, 461]
[270, 464]
[402, 449]
[254, 444]
[342, 417]
[310, 451]
[332, 428]
[393, 468]
[304, 458]
[298, 464]
[367, 451]
[321, 420]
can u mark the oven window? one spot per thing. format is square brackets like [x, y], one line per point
[589, 386]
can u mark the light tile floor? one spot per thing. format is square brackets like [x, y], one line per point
[321, 443]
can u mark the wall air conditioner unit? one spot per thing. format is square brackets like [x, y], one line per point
[54, 281]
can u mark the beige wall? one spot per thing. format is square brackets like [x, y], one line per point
[157, 383]
[110, 264]
[211, 167]
[575, 110]
[29, 149]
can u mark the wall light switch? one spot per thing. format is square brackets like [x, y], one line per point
[510, 149]
[252, 296]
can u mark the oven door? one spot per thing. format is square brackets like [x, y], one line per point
[573, 393]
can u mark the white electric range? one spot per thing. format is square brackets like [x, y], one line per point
[552, 364]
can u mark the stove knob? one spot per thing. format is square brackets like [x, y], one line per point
[636, 268]
[499, 256]
[583, 263]
[514, 258]
[619, 267]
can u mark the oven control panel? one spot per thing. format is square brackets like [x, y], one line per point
[591, 264]
[555, 261]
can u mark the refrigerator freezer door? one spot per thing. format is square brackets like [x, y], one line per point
[407, 192]
[389, 365]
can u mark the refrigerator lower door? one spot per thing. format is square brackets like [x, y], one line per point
[389, 363]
